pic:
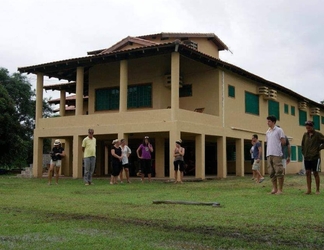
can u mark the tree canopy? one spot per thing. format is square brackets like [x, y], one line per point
[17, 119]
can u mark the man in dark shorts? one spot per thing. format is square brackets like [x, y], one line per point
[311, 146]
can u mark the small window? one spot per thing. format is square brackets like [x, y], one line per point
[293, 153]
[322, 119]
[139, 96]
[302, 117]
[107, 99]
[251, 103]
[292, 110]
[231, 91]
[286, 109]
[186, 90]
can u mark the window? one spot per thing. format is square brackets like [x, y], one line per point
[185, 91]
[300, 155]
[273, 109]
[286, 109]
[231, 91]
[322, 119]
[292, 110]
[316, 120]
[293, 153]
[251, 103]
[107, 99]
[139, 96]
[302, 117]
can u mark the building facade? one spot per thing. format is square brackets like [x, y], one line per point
[167, 86]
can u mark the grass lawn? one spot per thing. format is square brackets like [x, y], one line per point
[70, 215]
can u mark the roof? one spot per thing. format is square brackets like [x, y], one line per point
[69, 100]
[66, 69]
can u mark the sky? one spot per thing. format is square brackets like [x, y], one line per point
[279, 40]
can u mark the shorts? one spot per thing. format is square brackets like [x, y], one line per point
[275, 167]
[313, 165]
[124, 166]
[57, 163]
[146, 166]
[256, 165]
[178, 165]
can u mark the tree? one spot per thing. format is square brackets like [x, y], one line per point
[18, 119]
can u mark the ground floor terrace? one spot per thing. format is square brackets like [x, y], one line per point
[206, 155]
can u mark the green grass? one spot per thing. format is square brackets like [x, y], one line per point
[70, 215]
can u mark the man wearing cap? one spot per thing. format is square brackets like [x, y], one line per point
[89, 156]
[311, 146]
[56, 161]
[275, 138]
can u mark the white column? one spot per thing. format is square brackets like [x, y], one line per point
[62, 102]
[200, 156]
[77, 157]
[239, 146]
[221, 157]
[175, 75]
[123, 86]
[79, 91]
[39, 98]
[38, 157]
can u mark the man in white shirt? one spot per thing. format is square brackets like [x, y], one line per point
[275, 137]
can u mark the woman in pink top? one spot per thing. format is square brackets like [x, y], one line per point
[144, 154]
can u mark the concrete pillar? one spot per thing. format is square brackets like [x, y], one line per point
[221, 157]
[62, 102]
[39, 98]
[77, 157]
[67, 160]
[38, 157]
[175, 75]
[159, 156]
[239, 145]
[200, 156]
[123, 81]
[79, 91]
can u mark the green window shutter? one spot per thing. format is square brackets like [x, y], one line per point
[139, 96]
[322, 119]
[273, 109]
[292, 110]
[300, 155]
[107, 99]
[286, 109]
[316, 120]
[231, 91]
[251, 103]
[302, 117]
[293, 153]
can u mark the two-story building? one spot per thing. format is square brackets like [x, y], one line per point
[167, 86]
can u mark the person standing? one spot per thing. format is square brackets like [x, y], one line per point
[252, 160]
[144, 154]
[56, 161]
[257, 156]
[89, 156]
[126, 151]
[116, 153]
[275, 138]
[178, 163]
[311, 146]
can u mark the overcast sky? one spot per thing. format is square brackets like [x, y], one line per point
[279, 40]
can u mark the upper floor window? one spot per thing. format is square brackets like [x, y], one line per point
[107, 99]
[302, 117]
[292, 110]
[286, 109]
[231, 91]
[316, 120]
[251, 103]
[185, 90]
[273, 109]
[139, 96]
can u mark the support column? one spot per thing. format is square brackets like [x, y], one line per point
[77, 157]
[159, 157]
[62, 102]
[38, 157]
[123, 86]
[67, 159]
[200, 156]
[79, 91]
[239, 145]
[221, 157]
[39, 98]
[175, 76]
